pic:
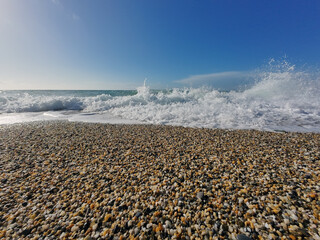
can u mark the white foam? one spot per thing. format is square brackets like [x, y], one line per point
[281, 99]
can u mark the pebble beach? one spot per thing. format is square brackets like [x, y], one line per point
[69, 180]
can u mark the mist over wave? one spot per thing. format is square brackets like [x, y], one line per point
[280, 99]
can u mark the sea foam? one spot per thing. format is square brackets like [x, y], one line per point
[281, 98]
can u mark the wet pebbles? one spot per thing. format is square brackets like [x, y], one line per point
[61, 180]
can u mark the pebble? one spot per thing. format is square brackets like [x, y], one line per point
[78, 180]
[243, 237]
[200, 195]
[138, 214]
[168, 224]
[75, 228]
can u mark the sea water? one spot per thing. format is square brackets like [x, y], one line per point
[284, 99]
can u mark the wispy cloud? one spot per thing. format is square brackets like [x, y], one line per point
[224, 80]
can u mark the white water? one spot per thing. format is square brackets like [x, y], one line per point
[281, 99]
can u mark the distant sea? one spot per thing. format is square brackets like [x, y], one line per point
[277, 101]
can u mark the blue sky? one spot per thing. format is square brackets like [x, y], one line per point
[116, 44]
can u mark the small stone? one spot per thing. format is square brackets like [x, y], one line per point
[45, 227]
[138, 214]
[94, 227]
[168, 224]
[189, 231]
[200, 195]
[4, 180]
[26, 231]
[172, 232]
[181, 199]
[104, 232]
[243, 237]
[53, 190]
[293, 228]
[225, 227]
[107, 218]
[75, 228]
[63, 235]
[308, 176]
[136, 231]
[159, 228]
[116, 229]
[313, 195]
[292, 237]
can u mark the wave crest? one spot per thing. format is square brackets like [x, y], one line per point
[281, 98]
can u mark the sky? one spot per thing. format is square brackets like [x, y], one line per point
[116, 44]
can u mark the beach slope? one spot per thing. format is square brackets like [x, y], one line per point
[62, 180]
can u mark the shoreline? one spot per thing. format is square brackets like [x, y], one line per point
[69, 180]
[44, 122]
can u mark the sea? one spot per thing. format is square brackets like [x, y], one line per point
[277, 100]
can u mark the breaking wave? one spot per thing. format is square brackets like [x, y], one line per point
[280, 99]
